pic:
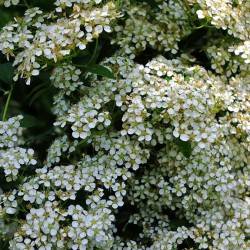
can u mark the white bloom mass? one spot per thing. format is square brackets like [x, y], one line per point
[147, 145]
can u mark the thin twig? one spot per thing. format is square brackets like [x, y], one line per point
[7, 104]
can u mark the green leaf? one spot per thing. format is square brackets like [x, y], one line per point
[184, 147]
[95, 53]
[6, 73]
[99, 70]
[35, 90]
[38, 94]
[30, 121]
[5, 17]
[45, 5]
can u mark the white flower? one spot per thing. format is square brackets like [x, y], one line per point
[200, 14]
[184, 137]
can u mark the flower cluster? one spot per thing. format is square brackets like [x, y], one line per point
[244, 51]
[160, 28]
[58, 148]
[151, 155]
[8, 3]
[62, 4]
[162, 95]
[66, 78]
[226, 14]
[40, 37]
[12, 156]
[86, 115]
[228, 55]
[93, 227]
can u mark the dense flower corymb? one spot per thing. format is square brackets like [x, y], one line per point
[49, 36]
[148, 140]
[12, 155]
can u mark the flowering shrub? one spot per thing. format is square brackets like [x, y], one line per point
[135, 130]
